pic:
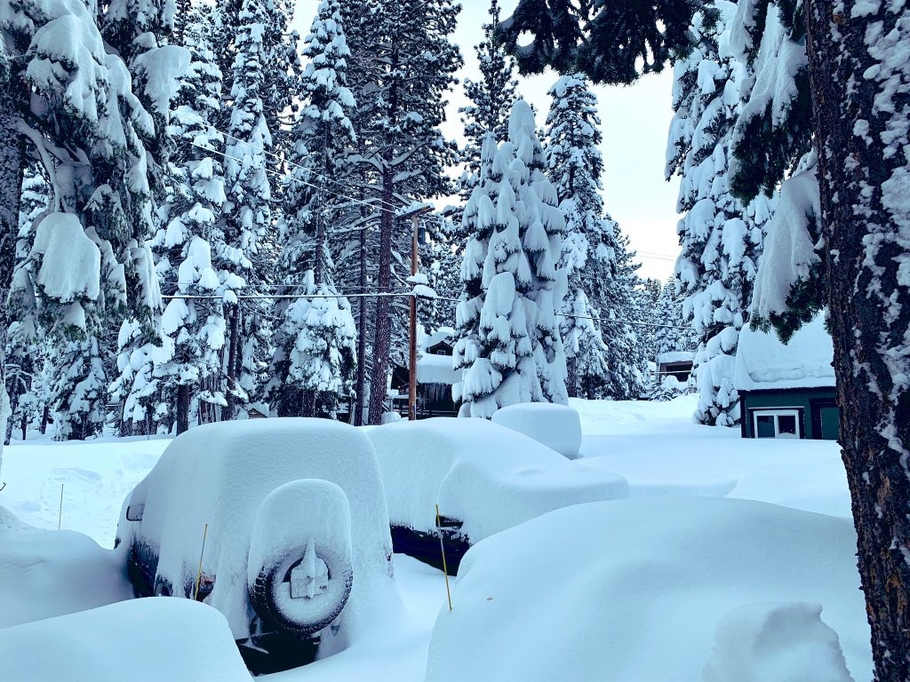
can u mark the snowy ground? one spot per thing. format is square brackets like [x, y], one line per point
[661, 453]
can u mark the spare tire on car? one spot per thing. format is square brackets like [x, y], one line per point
[299, 569]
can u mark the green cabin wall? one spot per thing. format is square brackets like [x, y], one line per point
[801, 399]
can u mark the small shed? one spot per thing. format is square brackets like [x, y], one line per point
[787, 390]
[435, 377]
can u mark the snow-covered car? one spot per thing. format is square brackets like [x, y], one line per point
[484, 477]
[280, 524]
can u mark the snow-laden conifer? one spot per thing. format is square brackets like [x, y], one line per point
[322, 141]
[574, 166]
[721, 238]
[509, 346]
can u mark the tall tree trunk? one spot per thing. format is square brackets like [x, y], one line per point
[360, 386]
[572, 376]
[862, 138]
[12, 156]
[383, 331]
[183, 408]
[233, 363]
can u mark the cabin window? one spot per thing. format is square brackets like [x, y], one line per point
[776, 424]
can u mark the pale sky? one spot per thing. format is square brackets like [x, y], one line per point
[634, 123]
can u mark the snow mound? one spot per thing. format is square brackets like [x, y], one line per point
[556, 426]
[764, 362]
[776, 643]
[481, 473]
[219, 475]
[142, 640]
[51, 573]
[634, 589]
[10, 522]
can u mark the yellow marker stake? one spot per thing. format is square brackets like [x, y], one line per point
[205, 533]
[442, 548]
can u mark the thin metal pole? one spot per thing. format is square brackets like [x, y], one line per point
[442, 548]
[60, 512]
[205, 533]
[412, 329]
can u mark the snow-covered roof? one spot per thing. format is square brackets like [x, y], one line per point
[437, 369]
[763, 362]
[446, 334]
[676, 356]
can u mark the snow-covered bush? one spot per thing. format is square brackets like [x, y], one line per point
[556, 426]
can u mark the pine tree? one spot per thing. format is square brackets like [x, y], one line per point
[261, 81]
[721, 238]
[509, 343]
[618, 316]
[323, 140]
[491, 100]
[405, 64]
[87, 127]
[574, 166]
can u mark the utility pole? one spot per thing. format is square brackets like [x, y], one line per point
[412, 327]
[412, 317]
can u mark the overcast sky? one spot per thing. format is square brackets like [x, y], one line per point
[634, 123]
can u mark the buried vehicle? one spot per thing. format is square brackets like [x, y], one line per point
[485, 478]
[280, 524]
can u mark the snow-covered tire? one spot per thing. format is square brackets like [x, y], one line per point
[301, 539]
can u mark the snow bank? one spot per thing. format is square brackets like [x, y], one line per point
[776, 643]
[634, 590]
[142, 640]
[10, 522]
[481, 473]
[764, 362]
[48, 573]
[556, 426]
[220, 474]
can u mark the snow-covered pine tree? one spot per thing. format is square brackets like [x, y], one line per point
[405, 66]
[87, 128]
[672, 333]
[491, 98]
[187, 370]
[773, 139]
[261, 81]
[720, 237]
[574, 166]
[509, 345]
[312, 340]
[618, 315]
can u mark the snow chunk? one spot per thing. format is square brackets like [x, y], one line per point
[556, 426]
[481, 473]
[142, 640]
[776, 643]
[163, 67]
[71, 263]
[764, 362]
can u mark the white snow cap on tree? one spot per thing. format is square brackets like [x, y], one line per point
[510, 344]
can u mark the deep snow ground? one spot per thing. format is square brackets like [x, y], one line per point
[654, 445]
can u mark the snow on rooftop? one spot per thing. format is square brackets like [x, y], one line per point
[637, 589]
[763, 362]
[481, 473]
[437, 369]
[675, 356]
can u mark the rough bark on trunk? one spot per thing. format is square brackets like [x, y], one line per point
[862, 138]
[360, 387]
[572, 376]
[383, 330]
[233, 362]
[12, 153]
[183, 408]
